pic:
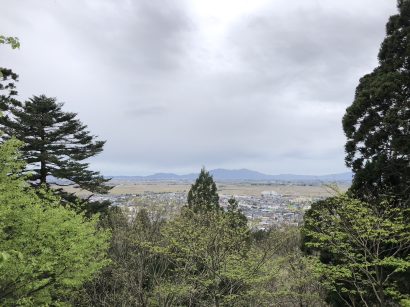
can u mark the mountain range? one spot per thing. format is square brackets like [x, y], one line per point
[241, 175]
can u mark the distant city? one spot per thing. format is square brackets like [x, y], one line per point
[269, 209]
[264, 209]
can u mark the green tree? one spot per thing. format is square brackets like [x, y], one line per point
[215, 262]
[7, 83]
[47, 251]
[136, 268]
[364, 252]
[286, 277]
[7, 76]
[203, 195]
[56, 144]
[235, 215]
[377, 124]
[210, 259]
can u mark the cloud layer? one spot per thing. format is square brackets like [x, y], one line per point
[174, 85]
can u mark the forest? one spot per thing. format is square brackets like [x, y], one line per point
[60, 249]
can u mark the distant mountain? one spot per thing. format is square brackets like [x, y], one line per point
[323, 178]
[238, 174]
[241, 175]
[170, 176]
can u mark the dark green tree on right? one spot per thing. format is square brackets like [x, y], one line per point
[203, 195]
[377, 124]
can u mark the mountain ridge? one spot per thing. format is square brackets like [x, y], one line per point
[243, 174]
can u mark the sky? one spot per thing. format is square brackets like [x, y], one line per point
[176, 85]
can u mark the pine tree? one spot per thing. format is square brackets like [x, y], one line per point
[377, 124]
[7, 82]
[55, 144]
[203, 194]
[7, 76]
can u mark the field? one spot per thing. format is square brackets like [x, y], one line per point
[242, 188]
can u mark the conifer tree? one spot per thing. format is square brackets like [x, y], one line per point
[56, 143]
[7, 82]
[7, 76]
[360, 239]
[203, 194]
[377, 124]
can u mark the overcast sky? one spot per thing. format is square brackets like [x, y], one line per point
[175, 85]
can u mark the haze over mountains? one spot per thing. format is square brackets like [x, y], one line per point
[242, 175]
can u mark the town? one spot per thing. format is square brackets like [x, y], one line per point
[269, 209]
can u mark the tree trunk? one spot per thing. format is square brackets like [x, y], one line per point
[216, 301]
[43, 171]
[43, 153]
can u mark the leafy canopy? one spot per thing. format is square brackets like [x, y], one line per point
[47, 251]
[364, 251]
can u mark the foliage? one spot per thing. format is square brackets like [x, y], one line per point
[7, 80]
[47, 251]
[10, 40]
[364, 250]
[285, 277]
[371, 233]
[7, 76]
[235, 216]
[377, 124]
[209, 255]
[200, 259]
[203, 194]
[135, 269]
[55, 144]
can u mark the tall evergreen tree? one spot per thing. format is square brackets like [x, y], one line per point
[203, 195]
[377, 124]
[7, 76]
[364, 244]
[7, 82]
[56, 143]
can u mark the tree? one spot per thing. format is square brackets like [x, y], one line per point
[203, 194]
[55, 144]
[235, 215]
[377, 124]
[136, 269]
[7, 80]
[215, 262]
[47, 251]
[363, 251]
[7, 76]
[286, 277]
[210, 258]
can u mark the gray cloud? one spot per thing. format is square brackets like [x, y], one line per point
[316, 51]
[145, 111]
[268, 95]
